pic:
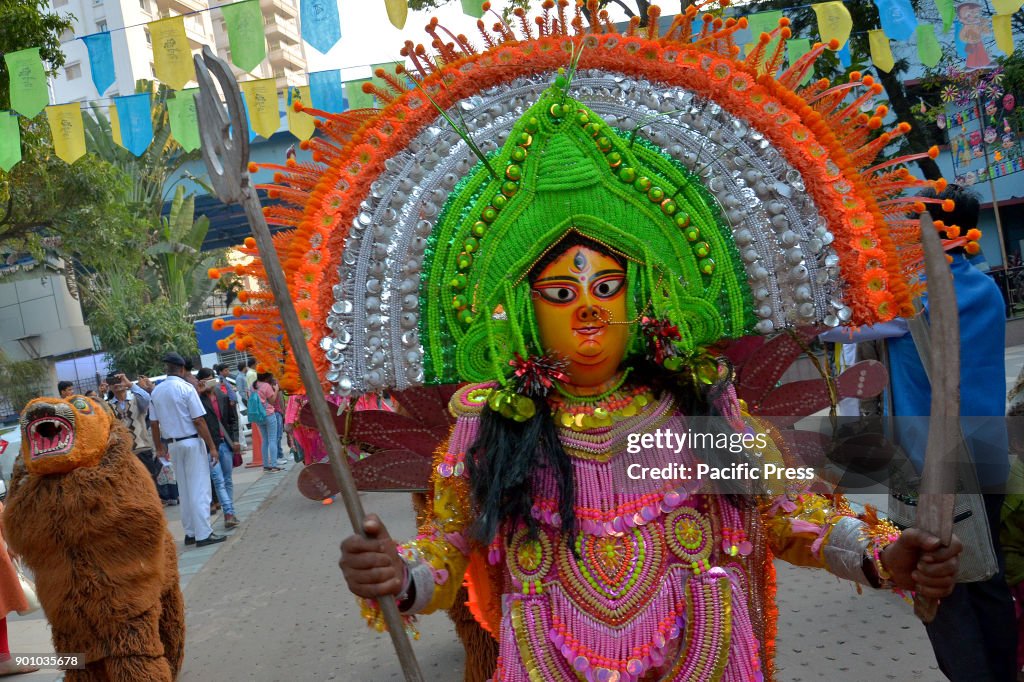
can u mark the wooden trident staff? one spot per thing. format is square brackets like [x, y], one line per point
[225, 146]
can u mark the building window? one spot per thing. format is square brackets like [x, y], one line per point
[73, 71]
[97, 3]
[101, 27]
[142, 5]
[152, 70]
[149, 38]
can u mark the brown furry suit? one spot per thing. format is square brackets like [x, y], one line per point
[105, 565]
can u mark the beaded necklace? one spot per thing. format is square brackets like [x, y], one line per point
[595, 412]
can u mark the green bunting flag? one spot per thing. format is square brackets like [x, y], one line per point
[947, 12]
[10, 140]
[28, 82]
[474, 8]
[181, 109]
[796, 48]
[357, 99]
[244, 22]
[928, 48]
[762, 22]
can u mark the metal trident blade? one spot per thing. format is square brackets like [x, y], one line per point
[939, 478]
[225, 137]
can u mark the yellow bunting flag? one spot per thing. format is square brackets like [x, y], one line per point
[881, 51]
[300, 125]
[115, 125]
[261, 99]
[398, 12]
[1002, 29]
[67, 130]
[834, 21]
[1007, 6]
[172, 56]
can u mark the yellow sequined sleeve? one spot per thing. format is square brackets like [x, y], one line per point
[437, 557]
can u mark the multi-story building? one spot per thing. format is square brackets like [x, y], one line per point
[132, 47]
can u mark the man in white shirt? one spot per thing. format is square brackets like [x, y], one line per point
[179, 430]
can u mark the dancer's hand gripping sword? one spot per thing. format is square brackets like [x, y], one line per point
[225, 148]
[939, 478]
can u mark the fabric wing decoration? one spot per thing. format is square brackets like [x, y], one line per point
[411, 240]
[101, 60]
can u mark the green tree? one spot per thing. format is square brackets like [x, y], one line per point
[135, 327]
[30, 23]
[21, 381]
[177, 268]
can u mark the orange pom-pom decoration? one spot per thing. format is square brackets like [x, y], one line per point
[297, 106]
[882, 111]
[213, 273]
[253, 167]
[940, 185]
[786, 32]
[218, 324]
[874, 123]
[742, 23]
[854, 75]
[933, 152]
[869, 81]
[250, 242]
[917, 207]
[972, 248]
[237, 311]
[222, 344]
[243, 296]
[784, 21]
[952, 232]
[291, 163]
[948, 205]
[304, 145]
[973, 234]
[903, 127]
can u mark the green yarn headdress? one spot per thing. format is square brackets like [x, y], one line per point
[564, 170]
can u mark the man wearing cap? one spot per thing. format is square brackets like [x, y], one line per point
[180, 431]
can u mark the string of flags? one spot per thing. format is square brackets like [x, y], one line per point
[130, 116]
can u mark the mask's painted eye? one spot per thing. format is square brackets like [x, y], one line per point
[82, 404]
[608, 287]
[557, 294]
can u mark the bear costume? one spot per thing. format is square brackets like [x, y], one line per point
[84, 515]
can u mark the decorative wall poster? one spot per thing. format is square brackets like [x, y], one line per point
[320, 24]
[10, 140]
[101, 60]
[985, 128]
[172, 56]
[29, 93]
[67, 131]
[974, 26]
[181, 110]
[244, 23]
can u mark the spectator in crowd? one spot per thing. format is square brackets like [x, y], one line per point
[189, 375]
[271, 428]
[131, 405]
[220, 421]
[250, 373]
[91, 393]
[228, 390]
[65, 389]
[242, 384]
[179, 429]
